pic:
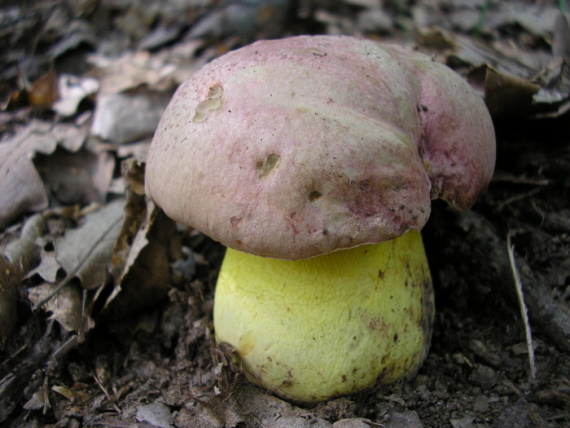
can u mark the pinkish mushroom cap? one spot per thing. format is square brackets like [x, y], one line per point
[302, 146]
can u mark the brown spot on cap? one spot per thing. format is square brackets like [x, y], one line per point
[212, 102]
[314, 195]
[266, 167]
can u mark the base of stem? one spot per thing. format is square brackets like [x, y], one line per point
[331, 325]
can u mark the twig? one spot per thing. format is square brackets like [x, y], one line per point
[524, 313]
[504, 178]
[107, 395]
[71, 274]
[546, 311]
[518, 197]
[45, 396]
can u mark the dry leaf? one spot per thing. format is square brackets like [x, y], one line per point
[67, 135]
[134, 150]
[160, 36]
[505, 95]
[133, 70]
[44, 90]
[22, 188]
[244, 20]
[135, 89]
[23, 252]
[39, 400]
[561, 38]
[88, 249]
[534, 18]
[48, 267]
[16, 100]
[515, 82]
[162, 71]
[77, 32]
[72, 90]
[66, 306]
[537, 19]
[461, 51]
[82, 178]
[145, 246]
[66, 392]
[126, 117]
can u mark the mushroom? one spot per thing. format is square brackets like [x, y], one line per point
[314, 159]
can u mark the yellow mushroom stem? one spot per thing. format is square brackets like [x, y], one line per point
[331, 325]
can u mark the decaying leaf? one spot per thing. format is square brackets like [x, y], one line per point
[130, 242]
[22, 188]
[461, 51]
[48, 267]
[64, 391]
[77, 32]
[66, 306]
[534, 18]
[162, 71]
[561, 37]
[44, 90]
[82, 177]
[23, 252]
[160, 36]
[39, 400]
[244, 20]
[504, 94]
[125, 117]
[513, 81]
[147, 242]
[135, 88]
[19, 257]
[72, 90]
[87, 250]
[17, 99]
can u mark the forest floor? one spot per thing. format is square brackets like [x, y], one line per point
[127, 339]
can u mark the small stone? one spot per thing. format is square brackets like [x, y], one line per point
[423, 392]
[482, 351]
[409, 419]
[484, 376]
[198, 415]
[295, 422]
[466, 422]
[352, 423]
[480, 404]
[156, 414]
